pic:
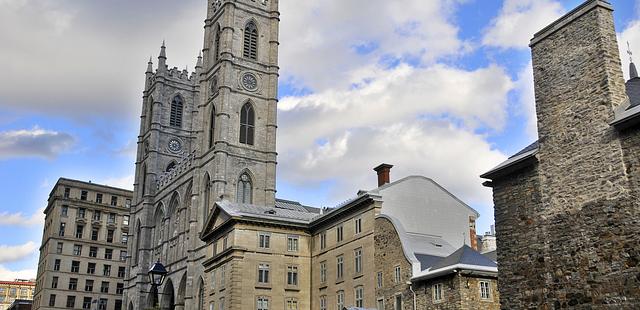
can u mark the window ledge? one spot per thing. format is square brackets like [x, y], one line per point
[358, 275]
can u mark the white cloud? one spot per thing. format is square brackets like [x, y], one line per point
[15, 253]
[25, 274]
[20, 219]
[125, 182]
[35, 142]
[629, 34]
[518, 20]
[526, 99]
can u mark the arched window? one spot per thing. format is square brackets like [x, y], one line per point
[171, 166]
[251, 41]
[149, 116]
[201, 295]
[212, 125]
[159, 226]
[247, 124]
[216, 44]
[175, 119]
[144, 180]
[245, 189]
[137, 248]
[207, 197]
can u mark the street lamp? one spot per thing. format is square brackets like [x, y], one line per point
[157, 272]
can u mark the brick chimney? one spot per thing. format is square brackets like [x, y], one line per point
[383, 173]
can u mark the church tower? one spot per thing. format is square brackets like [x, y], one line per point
[238, 85]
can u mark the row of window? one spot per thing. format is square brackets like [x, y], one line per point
[340, 299]
[93, 251]
[84, 195]
[13, 292]
[357, 228]
[357, 263]
[96, 215]
[88, 285]
[262, 303]
[484, 290]
[91, 268]
[86, 302]
[95, 232]
[397, 277]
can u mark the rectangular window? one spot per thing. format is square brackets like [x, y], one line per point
[214, 247]
[222, 275]
[52, 300]
[292, 243]
[79, 231]
[73, 284]
[93, 251]
[81, 212]
[56, 265]
[292, 275]
[86, 303]
[94, 234]
[77, 250]
[102, 304]
[124, 238]
[221, 303]
[112, 218]
[97, 215]
[123, 256]
[263, 273]
[213, 279]
[114, 201]
[75, 266]
[323, 302]
[358, 260]
[121, 272]
[292, 304]
[397, 275]
[437, 292]
[119, 288]
[110, 233]
[59, 248]
[127, 203]
[88, 286]
[339, 233]
[340, 300]
[358, 225]
[108, 253]
[61, 230]
[54, 282]
[339, 267]
[67, 193]
[106, 270]
[262, 303]
[104, 287]
[485, 290]
[323, 272]
[83, 195]
[360, 296]
[225, 242]
[379, 279]
[323, 240]
[264, 240]
[64, 211]
[397, 303]
[125, 220]
[380, 303]
[91, 268]
[99, 198]
[71, 301]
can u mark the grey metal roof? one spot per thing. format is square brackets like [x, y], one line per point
[633, 91]
[264, 212]
[295, 206]
[427, 261]
[517, 161]
[464, 255]
[493, 255]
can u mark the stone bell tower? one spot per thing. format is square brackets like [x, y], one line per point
[238, 99]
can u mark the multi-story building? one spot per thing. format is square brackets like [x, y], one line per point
[566, 207]
[17, 289]
[204, 199]
[83, 254]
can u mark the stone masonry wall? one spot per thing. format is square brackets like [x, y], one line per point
[388, 255]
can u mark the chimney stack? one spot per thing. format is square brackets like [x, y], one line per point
[383, 173]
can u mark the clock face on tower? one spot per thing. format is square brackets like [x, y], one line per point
[174, 145]
[249, 81]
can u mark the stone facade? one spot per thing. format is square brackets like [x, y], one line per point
[566, 222]
[84, 247]
[16, 290]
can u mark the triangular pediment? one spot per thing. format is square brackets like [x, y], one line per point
[217, 217]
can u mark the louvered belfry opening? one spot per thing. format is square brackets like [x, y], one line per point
[175, 119]
[247, 124]
[251, 41]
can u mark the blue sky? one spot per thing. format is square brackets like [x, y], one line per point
[441, 89]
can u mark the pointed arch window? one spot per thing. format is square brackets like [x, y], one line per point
[144, 180]
[251, 41]
[149, 116]
[175, 118]
[247, 124]
[216, 44]
[245, 189]
[171, 166]
[212, 125]
[207, 197]
[201, 296]
[138, 236]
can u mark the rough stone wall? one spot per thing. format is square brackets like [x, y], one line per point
[459, 292]
[572, 243]
[388, 254]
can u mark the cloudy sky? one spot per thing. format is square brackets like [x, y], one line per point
[437, 88]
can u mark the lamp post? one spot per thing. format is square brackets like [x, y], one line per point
[157, 272]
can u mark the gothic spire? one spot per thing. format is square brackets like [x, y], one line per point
[150, 66]
[199, 63]
[162, 59]
[633, 72]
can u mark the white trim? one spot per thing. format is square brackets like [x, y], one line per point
[429, 274]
